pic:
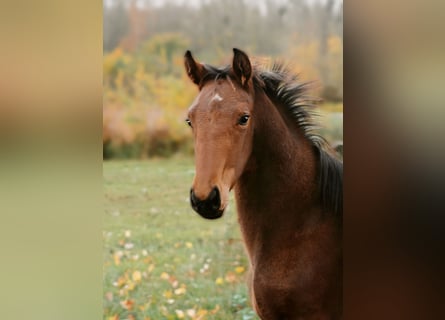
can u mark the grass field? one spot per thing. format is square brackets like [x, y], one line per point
[161, 259]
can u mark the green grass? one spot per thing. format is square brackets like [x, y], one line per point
[161, 259]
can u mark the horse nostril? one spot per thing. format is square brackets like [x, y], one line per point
[214, 199]
[209, 207]
[213, 194]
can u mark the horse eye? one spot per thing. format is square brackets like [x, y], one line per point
[243, 120]
[188, 122]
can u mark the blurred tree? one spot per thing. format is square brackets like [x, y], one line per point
[164, 47]
[115, 22]
[137, 27]
[325, 14]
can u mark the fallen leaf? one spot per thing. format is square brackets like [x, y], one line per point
[201, 314]
[173, 281]
[239, 269]
[165, 276]
[130, 286]
[167, 294]
[127, 304]
[128, 245]
[117, 259]
[179, 291]
[180, 314]
[136, 276]
[230, 277]
[147, 259]
[120, 282]
[191, 313]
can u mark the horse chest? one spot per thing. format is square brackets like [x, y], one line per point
[289, 282]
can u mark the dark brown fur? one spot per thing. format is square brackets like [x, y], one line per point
[288, 185]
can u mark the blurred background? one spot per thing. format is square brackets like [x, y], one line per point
[146, 91]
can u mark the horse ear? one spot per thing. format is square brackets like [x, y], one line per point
[241, 66]
[195, 70]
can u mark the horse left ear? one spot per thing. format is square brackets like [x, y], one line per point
[195, 70]
[241, 66]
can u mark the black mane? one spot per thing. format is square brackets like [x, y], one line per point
[283, 86]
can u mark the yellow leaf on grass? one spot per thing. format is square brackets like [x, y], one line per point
[137, 275]
[167, 294]
[179, 291]
[180, 314]
[130, 286]
[219, 280]
[117, 259]
[120, 282]
[239, 269]
[165, 276]
[201, 314]
[189, 245]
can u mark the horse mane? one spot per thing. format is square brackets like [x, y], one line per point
[279, 83]
[284, 87]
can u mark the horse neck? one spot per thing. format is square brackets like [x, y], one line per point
[281, 171]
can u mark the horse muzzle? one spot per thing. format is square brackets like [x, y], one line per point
[208, 208]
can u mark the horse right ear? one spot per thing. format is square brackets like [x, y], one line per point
[195, 70]
[241, 66]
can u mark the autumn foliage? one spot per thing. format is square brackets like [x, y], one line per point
[145, 98]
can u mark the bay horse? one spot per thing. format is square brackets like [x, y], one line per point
[254, 131]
